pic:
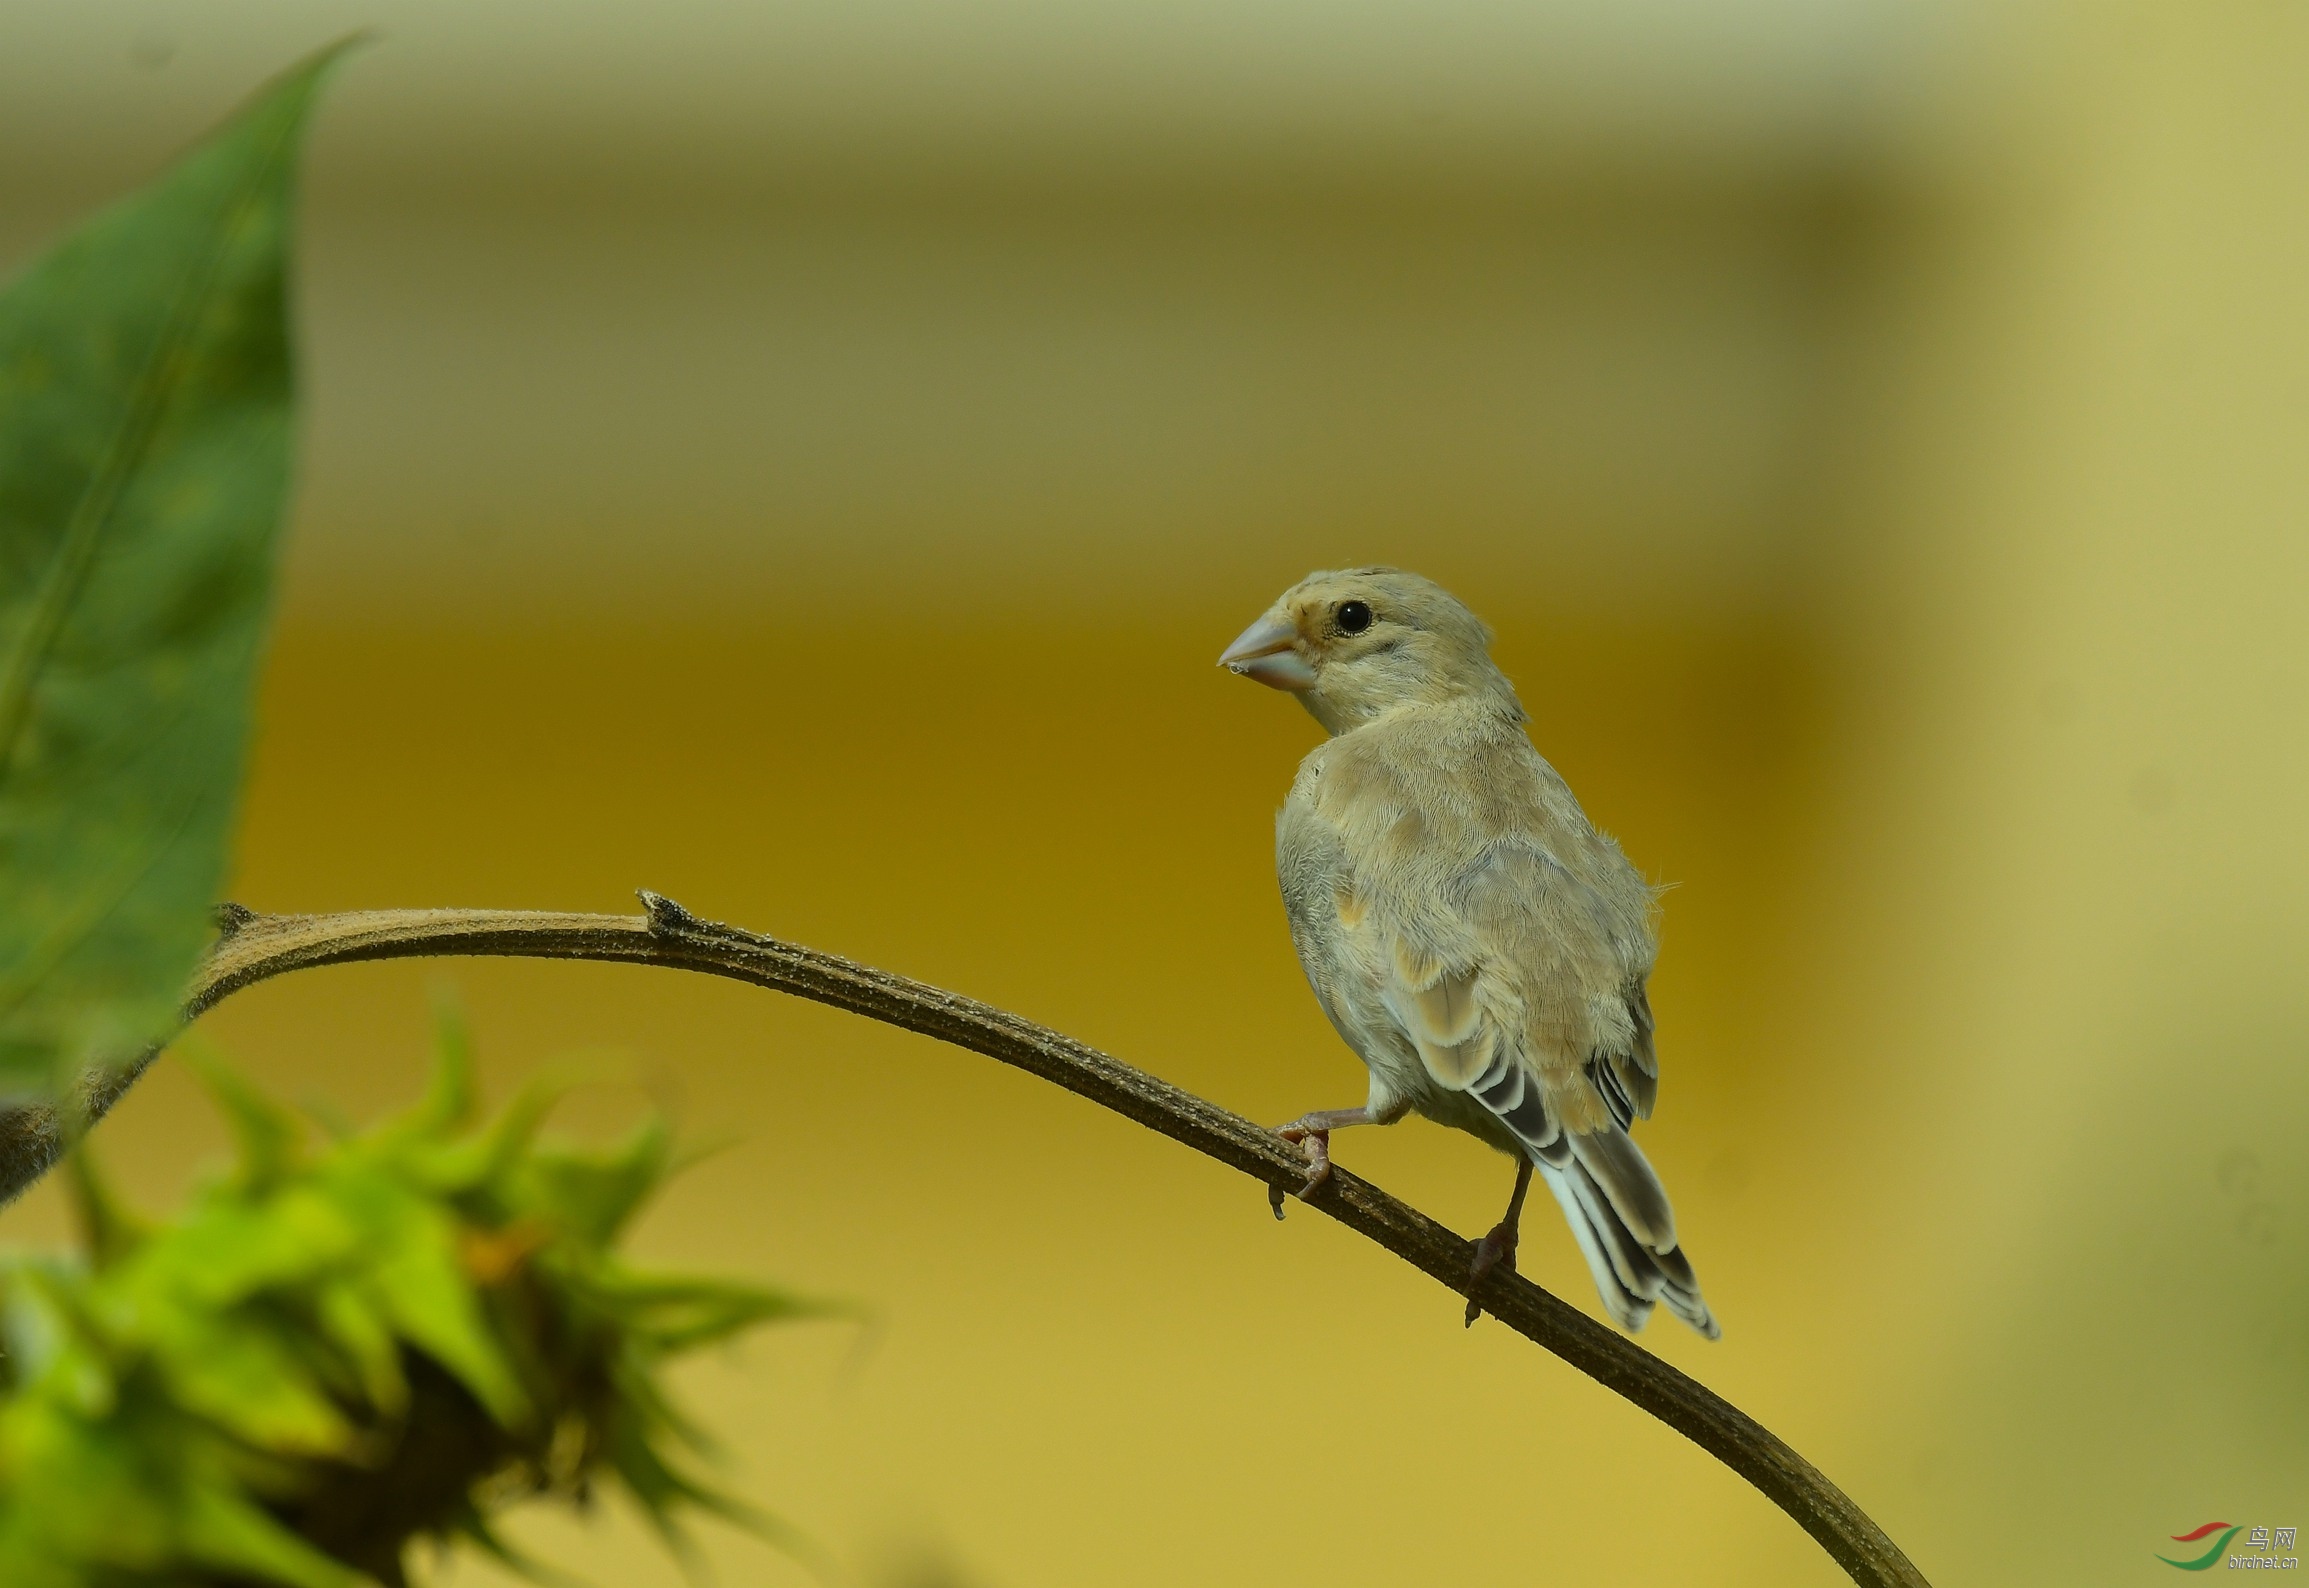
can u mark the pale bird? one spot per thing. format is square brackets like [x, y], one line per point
[1471, 935]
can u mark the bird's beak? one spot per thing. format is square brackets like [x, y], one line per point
[1264, 652]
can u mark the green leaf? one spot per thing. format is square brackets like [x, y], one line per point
[480, 1159]
[358, 1326]
[675, 1315]
[108, 1227]
[49, 1339]
[268, 1134]
[221, 1529]
[451, 1096]
[247, 1379]
[593, 1194]
[423, 1289]
[147, 386]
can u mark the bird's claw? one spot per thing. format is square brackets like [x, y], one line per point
[1495, 1250]
[1316, 1144]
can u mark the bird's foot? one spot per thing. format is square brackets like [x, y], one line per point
[1496, 1250]
[1315, 1142]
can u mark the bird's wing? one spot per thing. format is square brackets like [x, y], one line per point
[1505, 939]
[1461, 969]
[1637, 1070]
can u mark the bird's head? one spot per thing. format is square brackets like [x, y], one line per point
[1363, 641]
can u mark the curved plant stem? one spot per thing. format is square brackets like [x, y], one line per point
[256, 948]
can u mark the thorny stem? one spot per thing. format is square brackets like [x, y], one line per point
[256, 948]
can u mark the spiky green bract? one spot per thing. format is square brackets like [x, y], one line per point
[339, 1348]
[146, 416]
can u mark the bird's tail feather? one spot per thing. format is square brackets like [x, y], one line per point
[1631, 1273]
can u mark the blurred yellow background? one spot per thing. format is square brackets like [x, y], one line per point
[804, 459]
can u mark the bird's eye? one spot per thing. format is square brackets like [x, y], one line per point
[1353, 617]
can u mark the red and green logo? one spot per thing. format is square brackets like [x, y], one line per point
[2205, 1561]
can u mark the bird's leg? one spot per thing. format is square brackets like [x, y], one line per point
[1498, 1248]
[1313, 1133]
